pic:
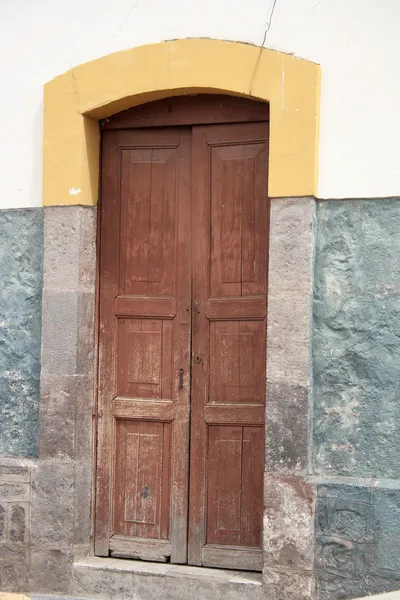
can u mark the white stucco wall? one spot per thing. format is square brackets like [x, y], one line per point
[356, 42]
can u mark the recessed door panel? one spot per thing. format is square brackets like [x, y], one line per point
[142, 472]
[235, 468]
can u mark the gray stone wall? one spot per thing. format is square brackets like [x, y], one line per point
[288, 498]
[356, 397]
[357, 541]
[356, 345]
[15, 531]
[332, 471]
[21, 280]
[61, 495]
[45, 504]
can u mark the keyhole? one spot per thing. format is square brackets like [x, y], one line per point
[145, 493]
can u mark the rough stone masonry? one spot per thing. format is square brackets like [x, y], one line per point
[332, 474]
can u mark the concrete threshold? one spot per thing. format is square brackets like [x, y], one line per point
[121, 579]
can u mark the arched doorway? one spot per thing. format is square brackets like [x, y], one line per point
[182, 331]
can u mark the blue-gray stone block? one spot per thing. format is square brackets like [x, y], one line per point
[356, 339]
[21, 282]
[357, 541]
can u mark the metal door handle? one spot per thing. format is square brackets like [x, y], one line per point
[180, 379]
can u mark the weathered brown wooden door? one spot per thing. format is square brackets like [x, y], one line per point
[144, 337]
[230, 217]
[182, 333]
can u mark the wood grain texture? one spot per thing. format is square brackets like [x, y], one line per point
[220, 309]
[152, 410]
[145, 306]
[140, 549]
[244, 414]
[226, 557]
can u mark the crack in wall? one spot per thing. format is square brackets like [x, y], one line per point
[120, 28]
[267, 28]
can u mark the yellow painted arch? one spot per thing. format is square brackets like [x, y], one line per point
[74, 101]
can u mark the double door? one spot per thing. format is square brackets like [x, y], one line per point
[182, 343]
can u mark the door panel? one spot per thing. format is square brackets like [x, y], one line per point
[235, 468]
[142, 479]
[144, 358]
[148, 209]
[237, 362]
[230, 236]
[144, 341]
[238, 253]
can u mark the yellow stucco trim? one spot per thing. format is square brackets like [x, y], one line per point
[74, 101]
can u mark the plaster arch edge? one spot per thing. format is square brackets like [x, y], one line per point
[77, 99]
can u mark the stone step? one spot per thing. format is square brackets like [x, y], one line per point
[119, 579]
